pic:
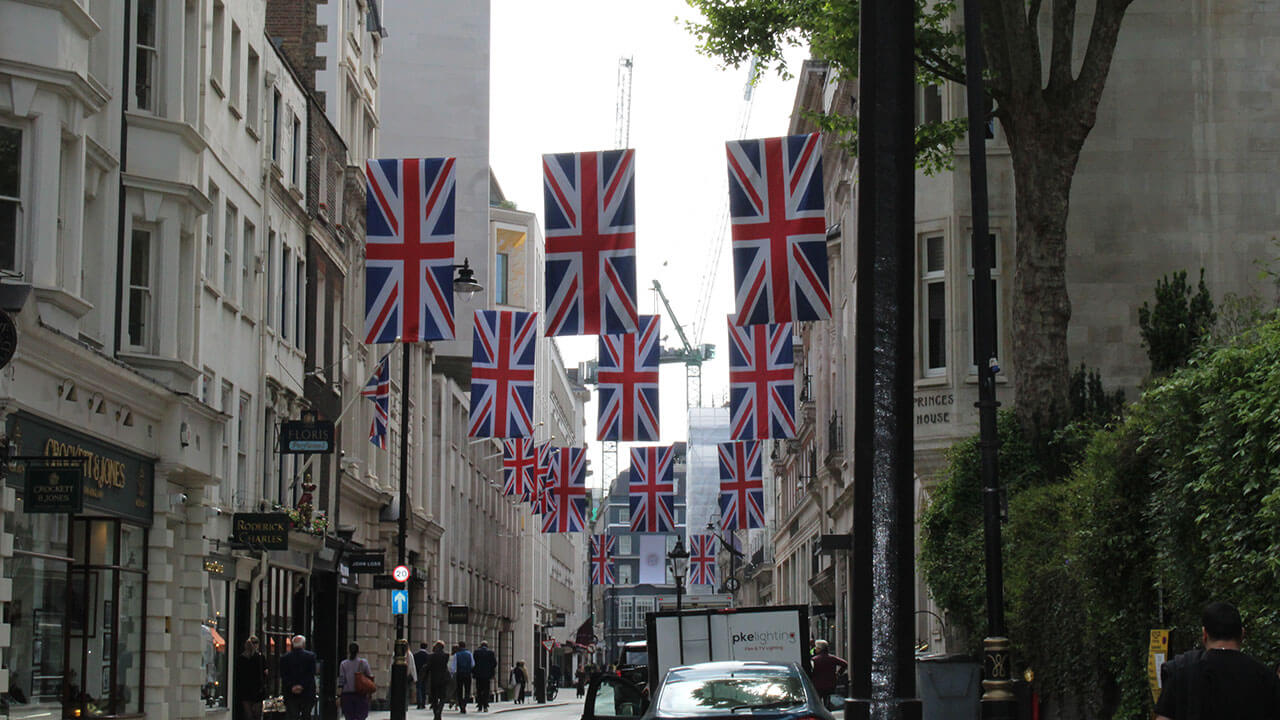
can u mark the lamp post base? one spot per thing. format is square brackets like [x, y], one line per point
[398, 695]
[998, 700]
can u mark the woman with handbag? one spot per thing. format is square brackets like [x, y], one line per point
[251, 679]
[355, 685]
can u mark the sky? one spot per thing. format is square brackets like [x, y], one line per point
[554, 88]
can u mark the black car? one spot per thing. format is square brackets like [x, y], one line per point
[749, 690]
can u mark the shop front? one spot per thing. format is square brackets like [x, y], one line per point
[78, 573]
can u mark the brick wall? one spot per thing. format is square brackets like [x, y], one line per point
[291, 25]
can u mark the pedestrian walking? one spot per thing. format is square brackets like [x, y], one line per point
[437, 668]
[1219, 681]
[463, 663]
[355, 685]
[486, 667]
[419, 662]
[521, 678]
[411, 673]
[580, 681]
[298, 680]
[251, 679]
[826, 671]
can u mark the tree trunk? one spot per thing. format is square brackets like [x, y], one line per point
[1045, 151]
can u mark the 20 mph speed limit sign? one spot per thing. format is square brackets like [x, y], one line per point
[401, 573]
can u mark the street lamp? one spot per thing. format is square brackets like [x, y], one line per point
[678, 558]
[465, 286]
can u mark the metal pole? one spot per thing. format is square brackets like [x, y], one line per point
[679, 617]
[997, 697]
[399, 699]
[883, 566]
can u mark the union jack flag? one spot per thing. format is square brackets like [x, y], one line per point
[779, 229]
[762, 383]
[502, 359]
[519, 467]
[602, 559]
[702, 559]
[408, 250]
[378, 389]
[628, 377]
[591, 242]
[653, 489]
[741, 485]
[546, 458]
[565, 502]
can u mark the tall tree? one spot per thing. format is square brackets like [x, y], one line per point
[1046, 117]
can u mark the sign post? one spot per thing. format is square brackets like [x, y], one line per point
[399, 602]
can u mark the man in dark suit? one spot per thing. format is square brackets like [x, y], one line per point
[420, 663]
[298, 680]
[486, 667]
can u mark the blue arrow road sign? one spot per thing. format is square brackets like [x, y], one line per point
[399, 602]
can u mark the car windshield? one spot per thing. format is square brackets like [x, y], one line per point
[733, 691]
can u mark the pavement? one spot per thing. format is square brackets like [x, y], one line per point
[564, 706]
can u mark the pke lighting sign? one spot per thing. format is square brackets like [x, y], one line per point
[300, 437]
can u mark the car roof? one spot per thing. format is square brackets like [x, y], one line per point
[725, 667]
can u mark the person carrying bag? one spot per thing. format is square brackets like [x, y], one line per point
[356, 685]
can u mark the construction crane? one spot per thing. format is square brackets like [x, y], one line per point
[622, 124]
[692, 356]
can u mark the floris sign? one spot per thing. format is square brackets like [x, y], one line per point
[54, 485]
[267, 531]
[302, 437]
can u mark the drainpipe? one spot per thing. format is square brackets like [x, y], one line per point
[124, 161]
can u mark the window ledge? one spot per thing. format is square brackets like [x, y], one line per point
[972, 378]
[235, 111]
[70, 303]
[217, 87]
[252, 132]
[231, 306]
[931, 381]
[209, 288]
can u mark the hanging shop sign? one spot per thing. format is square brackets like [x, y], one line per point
[386, 582]
[261, 531]
[367, 562]
[54, 484]
[459, 614]
[560, 620]
[306, 437]
[115, 481]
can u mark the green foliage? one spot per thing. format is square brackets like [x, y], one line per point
[738, 31]
[1174, 328]
[1174, 506]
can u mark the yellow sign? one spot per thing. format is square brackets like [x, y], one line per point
[1157, 652]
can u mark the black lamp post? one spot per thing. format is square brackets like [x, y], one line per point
[678, 558]
[464, 285]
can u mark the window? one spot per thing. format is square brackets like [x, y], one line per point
[253, 86]
[228, 398]
[626, 612]
[624, 545]
[928, 104]
[269, 308]
[10, 195]
[140, 299]
[500, 294]
[286, 264]
[216, 41]
[145, 61]
[268, 454]
[644, 606]
[242, 449]
[624, 574]
[973, 300]
[217, 594]
[206, 387]
[235, 66]
[229, 227]
[624, 515]
[275, 127]
[247, 255]
[296, 157]
[933, 306]
[299, 302]
[211, 232]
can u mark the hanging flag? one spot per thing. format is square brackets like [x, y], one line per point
[653, 489]
[741, 485]
[779, 229]
[702, 559]
[408, 294]
[502, 359]
[546, 458]
[378, 389]
[565, 503]
[591, 242]
[519, 467]
[653, 560]
[762, 382]
[602, 565]
[628, 383]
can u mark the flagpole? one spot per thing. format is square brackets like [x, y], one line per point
[399, 670]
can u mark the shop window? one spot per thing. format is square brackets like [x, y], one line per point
[36, 615]
[626, 613]
[214, 634]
